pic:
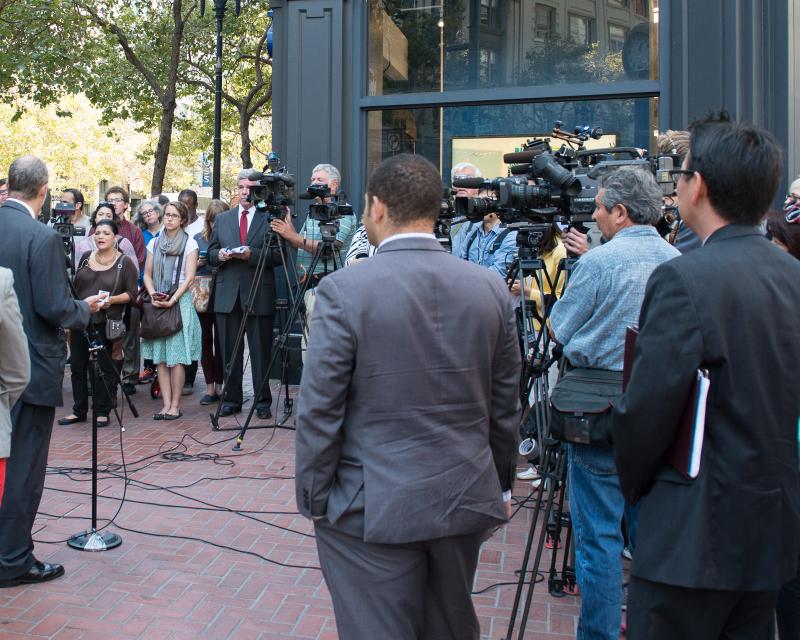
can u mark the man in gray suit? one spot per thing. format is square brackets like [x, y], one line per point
[33, 252]
[407, 420]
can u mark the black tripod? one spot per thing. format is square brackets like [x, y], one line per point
[550, 504]
[324, 251]
[540, 356]
[93, 539]
[266, 248]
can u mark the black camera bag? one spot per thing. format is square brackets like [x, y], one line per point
[581, 404]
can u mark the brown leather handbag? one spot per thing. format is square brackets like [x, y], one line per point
[162, 322]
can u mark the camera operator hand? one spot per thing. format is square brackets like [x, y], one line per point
[285, 229]
[95, 303]
[576, 243]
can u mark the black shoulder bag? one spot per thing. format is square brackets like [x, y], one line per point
[581, 404]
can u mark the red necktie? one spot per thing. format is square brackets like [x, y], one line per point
[243, 227]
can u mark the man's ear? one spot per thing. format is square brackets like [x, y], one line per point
[699, 189]
[620, 212]
[378, 209]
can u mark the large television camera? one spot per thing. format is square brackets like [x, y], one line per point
[325, 212]
[61, 218]
[274, 191]
[547, 186]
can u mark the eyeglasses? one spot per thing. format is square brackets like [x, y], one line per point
[172, 215]
[144, 212]
[676, 174]
[115, 200]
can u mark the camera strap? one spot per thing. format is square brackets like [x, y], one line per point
[498, 241]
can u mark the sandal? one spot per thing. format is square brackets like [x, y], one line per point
[172, 416]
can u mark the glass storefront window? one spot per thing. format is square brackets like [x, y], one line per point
[482, 134]
[441, 45]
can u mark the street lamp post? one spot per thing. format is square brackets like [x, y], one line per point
[220, 6]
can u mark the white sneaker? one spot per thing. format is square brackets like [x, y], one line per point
[529, 474]
[535, 484]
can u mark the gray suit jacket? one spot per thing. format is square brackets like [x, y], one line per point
[235, 277]
[34, 254]
[15, 366]
[408, 408]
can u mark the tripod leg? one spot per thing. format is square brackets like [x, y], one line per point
[280, 343]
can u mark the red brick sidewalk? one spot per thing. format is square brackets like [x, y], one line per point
[228, 583]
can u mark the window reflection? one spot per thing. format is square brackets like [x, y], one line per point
[439, 133]
[438, 45]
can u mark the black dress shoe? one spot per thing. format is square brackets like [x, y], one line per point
[39, 572]
[72, 420]
[229, 410]
[263, 412]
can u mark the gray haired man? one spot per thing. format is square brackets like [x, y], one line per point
[604, 295]
[309, 240]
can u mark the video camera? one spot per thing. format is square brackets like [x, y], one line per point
[547, 185]
[327, 211]
[274, 191]
[61, 218]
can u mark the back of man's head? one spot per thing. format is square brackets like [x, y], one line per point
[188, 197]
[26, 177]
[741, 165]
[674, 143]
[409, 186]
[637, 189]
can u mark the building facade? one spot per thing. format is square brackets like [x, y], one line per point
[355, 81]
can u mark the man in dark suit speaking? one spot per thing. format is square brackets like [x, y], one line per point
[713, 551]
[407, 420]
[34, 254]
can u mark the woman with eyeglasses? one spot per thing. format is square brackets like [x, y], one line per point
[168, 273]
[148, 219]
[104, 270]
[104, 211]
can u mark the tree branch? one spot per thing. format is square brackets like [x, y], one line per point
[124, 43]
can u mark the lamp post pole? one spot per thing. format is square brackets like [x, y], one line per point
[220, 6]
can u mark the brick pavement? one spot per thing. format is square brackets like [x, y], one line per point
[190, 566]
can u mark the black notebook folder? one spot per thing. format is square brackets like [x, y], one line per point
[685, 451]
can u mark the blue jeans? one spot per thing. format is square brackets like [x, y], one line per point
[596, 506]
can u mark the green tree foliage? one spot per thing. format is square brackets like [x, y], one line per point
[143, 60]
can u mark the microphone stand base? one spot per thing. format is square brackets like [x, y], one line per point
[94, 541]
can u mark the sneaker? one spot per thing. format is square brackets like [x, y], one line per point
[624, 596]
[147, 376]
[535, 484]
[529, 474]
[188, 389]
[627, 553]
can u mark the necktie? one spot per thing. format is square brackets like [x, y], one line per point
[243, 227]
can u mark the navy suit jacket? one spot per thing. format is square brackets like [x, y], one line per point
[35, 255]
[235, 277]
